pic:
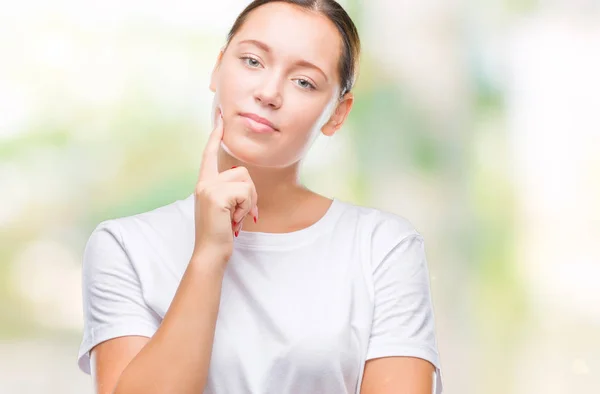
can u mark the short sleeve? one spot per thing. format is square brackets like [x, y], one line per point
[403, 320]
[113, 305]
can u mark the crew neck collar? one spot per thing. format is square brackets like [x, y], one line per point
[258, 239]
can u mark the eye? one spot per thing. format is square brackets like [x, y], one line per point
[250, 61]
[303, 83]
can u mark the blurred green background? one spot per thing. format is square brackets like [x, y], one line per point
[477, 121]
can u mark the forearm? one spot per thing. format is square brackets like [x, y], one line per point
[177, 357]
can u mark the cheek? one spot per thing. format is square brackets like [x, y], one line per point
[231, 83]
[307, 119]
[310, 113]
[304, 121]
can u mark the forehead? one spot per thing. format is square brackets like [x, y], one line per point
[294, 33]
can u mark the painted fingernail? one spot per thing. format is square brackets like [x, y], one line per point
[237, 232]
[233, 167]
[255, 219]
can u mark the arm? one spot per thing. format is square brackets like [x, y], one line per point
[176, 358]
[398, 375]
[402, 357]
[109, 358]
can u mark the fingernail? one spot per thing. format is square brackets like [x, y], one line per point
[237, 232]
[233, 167]
[255, 219]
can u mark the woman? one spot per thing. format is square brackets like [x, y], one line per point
[314, 295]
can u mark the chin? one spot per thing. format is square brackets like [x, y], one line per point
[246, 152]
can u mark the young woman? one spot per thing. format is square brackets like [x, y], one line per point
[314, 295]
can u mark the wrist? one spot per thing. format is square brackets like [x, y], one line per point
[210, 257]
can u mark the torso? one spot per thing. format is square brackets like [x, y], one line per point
[296, 307]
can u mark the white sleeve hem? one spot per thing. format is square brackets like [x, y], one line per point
[104, 333]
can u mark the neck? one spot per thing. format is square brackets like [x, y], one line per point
[279, 189]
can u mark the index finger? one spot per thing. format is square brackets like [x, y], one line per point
[209, 165]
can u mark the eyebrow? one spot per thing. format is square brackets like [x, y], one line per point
[302, 63]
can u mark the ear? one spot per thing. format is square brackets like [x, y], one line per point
[339, 115]
[215, 72]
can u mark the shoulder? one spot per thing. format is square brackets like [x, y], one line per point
[165, 219]
[169, 224]
[379, 223]
[383, 229]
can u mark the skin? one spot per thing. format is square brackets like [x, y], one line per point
[274, 86]
[271, 84]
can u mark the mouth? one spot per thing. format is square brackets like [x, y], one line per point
[258, 124]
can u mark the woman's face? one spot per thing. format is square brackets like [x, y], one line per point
[281, 66]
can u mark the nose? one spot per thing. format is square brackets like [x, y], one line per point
[268, 93]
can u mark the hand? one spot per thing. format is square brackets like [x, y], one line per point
[222, 200]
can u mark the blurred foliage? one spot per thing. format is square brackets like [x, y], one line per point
[80, 158]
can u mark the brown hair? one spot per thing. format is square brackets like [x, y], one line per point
[348, 64]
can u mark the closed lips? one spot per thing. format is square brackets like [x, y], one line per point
[259, 119]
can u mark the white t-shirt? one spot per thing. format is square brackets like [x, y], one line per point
[300, 312]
